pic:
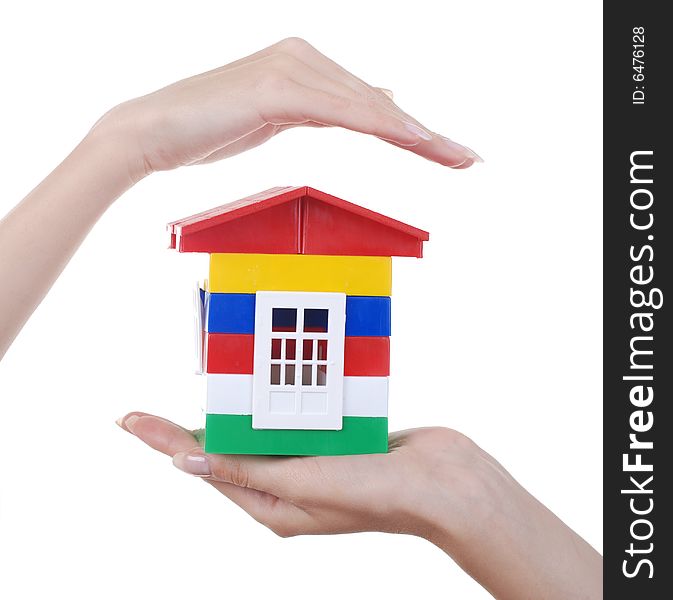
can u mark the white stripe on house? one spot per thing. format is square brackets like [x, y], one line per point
[365, 397]
[230, 394]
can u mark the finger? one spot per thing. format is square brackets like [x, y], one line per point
[305, 482]
[316, 72]
[444, 151]
[305, 104]
[303, 52]
[274, 475]
[160, 434]
[381, 97]
[272, 490]
[318, 106]
[313, 71]
[439, 149]
[171, 439]
[277, 475]
[280, 96]
[282, 517]
[329, 99]
[279, 515]
[286, 66]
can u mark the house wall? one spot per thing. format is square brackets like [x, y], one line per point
[229, 323]
[249, 273]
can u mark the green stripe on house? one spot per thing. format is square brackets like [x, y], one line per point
[233, 434]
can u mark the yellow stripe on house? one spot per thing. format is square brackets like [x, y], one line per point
[250, 273]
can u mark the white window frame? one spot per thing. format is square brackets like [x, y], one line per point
[295, 395]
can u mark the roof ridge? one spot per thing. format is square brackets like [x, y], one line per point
[303, 205]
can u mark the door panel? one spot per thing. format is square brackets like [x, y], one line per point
[298, 360]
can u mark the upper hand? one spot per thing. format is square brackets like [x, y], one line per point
[231, 109]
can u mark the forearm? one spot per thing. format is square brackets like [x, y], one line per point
[40, 235]
[517, 549]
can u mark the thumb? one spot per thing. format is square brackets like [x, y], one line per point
[275, 475]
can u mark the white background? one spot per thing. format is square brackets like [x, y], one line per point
[496, 332]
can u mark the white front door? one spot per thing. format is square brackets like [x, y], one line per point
[299, 360]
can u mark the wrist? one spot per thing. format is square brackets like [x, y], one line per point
[503, 537]
[461, 494]
[116, 137]
[459, 514]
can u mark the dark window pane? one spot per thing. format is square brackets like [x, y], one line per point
[275, 349]
[289, 374]
[322, 375]
[322, 349]
[275, 374]
[315, 319]
[308, 350]
[290, 349]
[306, 375]
[284, 319]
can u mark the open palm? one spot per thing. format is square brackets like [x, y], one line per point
[434, 483]
[334, 494]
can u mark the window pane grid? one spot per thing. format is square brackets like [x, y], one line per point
[299, 352]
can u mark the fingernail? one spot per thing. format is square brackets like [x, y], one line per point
[474, 156]
[194, 464]
[128, 423]
[419, 131]
[464, 150]
[387, 92]
[466, 162]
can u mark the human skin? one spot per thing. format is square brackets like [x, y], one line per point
[202, 119]
[434, 483]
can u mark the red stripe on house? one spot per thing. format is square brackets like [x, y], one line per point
[367, 356]
[234, 352]
[230, 353]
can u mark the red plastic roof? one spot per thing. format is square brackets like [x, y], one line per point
[296, 220]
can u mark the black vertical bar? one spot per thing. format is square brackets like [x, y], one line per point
[637, 119]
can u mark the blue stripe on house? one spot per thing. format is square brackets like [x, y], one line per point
[367, 315]
[235, 313]
[230, 313]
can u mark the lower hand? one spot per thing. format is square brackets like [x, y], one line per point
[434, 483]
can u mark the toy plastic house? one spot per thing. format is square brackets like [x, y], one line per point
[296, 321]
